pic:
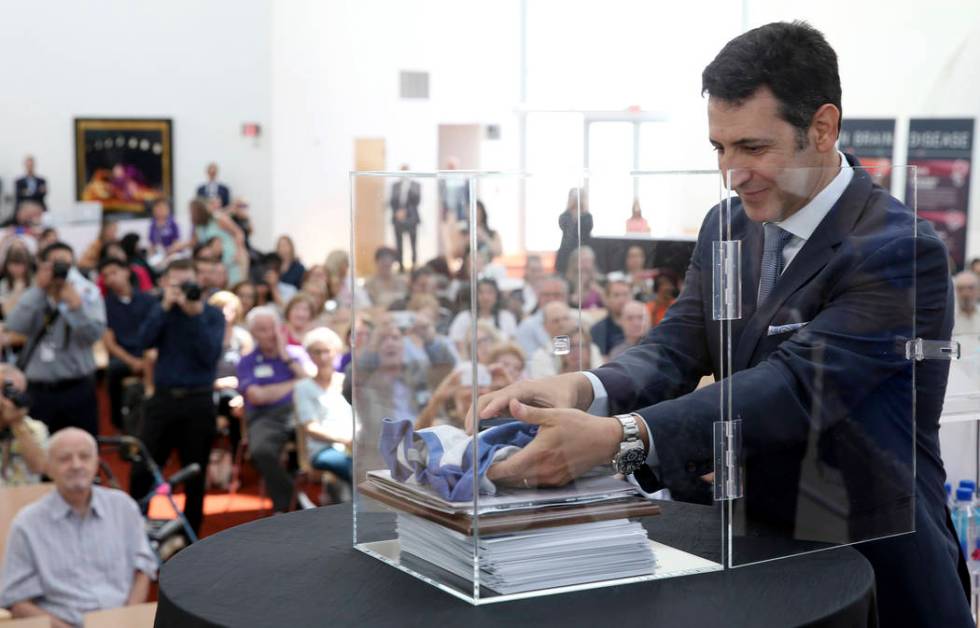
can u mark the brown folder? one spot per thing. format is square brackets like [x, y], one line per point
[519, 520]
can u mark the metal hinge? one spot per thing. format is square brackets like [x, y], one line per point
[726, 286]
[919, 349]
[728, 468]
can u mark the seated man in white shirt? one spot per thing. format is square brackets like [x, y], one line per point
[79, 549]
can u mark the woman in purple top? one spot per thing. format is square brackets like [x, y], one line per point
[164, 232]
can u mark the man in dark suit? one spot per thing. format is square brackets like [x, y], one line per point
[30, 187]
[836, 276]
[214, 189]
[404, 203]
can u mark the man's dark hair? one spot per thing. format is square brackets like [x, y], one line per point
[106, 262]
[180, 264]
[793, 60]
[385, 251]
[271, 261]
[55, 246]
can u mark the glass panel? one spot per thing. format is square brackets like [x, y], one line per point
[821, 384]
[533, 504]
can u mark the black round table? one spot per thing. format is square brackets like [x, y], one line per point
[300, 569]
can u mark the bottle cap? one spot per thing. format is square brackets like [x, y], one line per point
[968, 484]
[949, 489]
[964, 494]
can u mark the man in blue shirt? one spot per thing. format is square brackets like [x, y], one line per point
[125, 309]
[266, 378]
[187, 334]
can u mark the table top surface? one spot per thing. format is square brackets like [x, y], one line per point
[301, 569]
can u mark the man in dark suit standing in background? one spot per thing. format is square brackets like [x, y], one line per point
[214, 189]
[839, 427]
[404, 203]
[30, 187]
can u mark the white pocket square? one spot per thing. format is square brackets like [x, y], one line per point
[782, 329]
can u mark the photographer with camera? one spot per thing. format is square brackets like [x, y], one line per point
[59, 320]
[22, 439]
[187, 334]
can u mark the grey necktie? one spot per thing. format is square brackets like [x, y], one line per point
[772, 258]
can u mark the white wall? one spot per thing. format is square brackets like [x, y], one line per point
[206, 65]
[335, 78]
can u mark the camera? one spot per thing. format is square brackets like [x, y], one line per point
[59, 270]
[192, 291]
[17, 397]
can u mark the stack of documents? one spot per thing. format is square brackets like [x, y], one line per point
[526, 539]
[533, 559]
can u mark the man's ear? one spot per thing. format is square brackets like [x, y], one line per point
[825, 128]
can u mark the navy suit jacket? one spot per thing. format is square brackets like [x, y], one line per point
[223, 193]
[827, 407]
[40, 190]
[411, 203]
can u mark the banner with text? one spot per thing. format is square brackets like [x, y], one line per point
[942, 150]
[873, 143]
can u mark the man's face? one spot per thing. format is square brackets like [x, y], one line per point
[264, 332]
[557, 319]
[966, 293]
[29, 165]
[73, 463]
[212, 172]
[116, 278]
[619, 294]
[60, 255]
[178, 276]
[634, 320]
[552, 290]
[758, 146]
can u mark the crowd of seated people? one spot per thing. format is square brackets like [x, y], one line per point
[205, 337]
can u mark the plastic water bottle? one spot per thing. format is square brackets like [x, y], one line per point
[963, 519]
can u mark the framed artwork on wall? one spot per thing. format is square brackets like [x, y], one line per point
[123, 163]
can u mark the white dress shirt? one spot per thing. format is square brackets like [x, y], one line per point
[801, 224]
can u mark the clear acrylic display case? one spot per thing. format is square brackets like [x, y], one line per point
[533, 506]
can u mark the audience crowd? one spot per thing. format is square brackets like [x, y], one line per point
[200, 335]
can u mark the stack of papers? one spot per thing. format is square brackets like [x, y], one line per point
[533, 559]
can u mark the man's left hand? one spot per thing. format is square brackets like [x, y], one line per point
[69, 296]
[568, 444]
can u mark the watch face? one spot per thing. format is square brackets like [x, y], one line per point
[630, 460]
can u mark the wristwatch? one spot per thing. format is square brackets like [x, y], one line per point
[631, 454]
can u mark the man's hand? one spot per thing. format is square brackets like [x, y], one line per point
[44, 276]
[401, 214]
[172, 295]
[424, 327]
[571, 390]
[69, 296]
[568, 444]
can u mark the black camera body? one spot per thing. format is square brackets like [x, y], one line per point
[59, 270]
[192, 291]
[17, 397]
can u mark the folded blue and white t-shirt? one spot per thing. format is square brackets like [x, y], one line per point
[442, 456]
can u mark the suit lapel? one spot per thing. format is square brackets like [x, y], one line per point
[814, 255]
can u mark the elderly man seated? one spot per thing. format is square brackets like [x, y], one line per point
[79, 549]
[22, 439]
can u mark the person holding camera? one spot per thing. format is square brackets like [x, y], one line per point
[58, 321]
[187, 334]
[22, 439]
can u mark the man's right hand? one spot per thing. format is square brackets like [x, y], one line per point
[44, 276]
[172, 295]
[570, 390]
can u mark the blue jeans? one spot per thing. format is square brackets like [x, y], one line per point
[338, 463]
